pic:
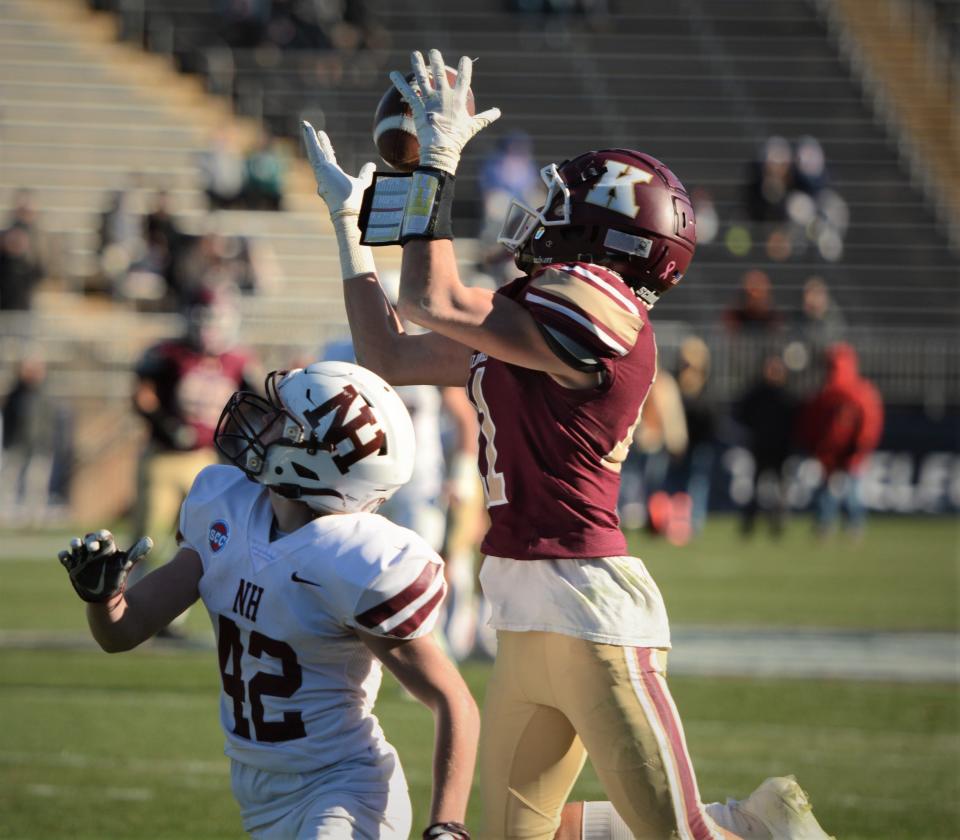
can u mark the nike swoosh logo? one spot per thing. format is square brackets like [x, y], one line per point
[297, 579]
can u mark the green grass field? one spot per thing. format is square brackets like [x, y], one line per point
[98, 746]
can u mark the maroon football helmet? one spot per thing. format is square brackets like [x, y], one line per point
[616, 207]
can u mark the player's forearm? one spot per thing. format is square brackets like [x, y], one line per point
[457, 728]
[431, 293]
[376, 331]
[144, 609]
[113, 627]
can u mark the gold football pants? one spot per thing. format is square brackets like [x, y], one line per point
[551, 700]
[164, 479]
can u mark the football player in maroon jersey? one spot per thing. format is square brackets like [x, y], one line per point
[557, 364]
[181, 386]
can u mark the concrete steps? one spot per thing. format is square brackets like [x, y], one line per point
[85, 115]
[919, 91]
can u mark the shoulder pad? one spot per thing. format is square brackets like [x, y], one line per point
[585, 311]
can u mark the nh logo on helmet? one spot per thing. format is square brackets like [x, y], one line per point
[341, 429]
[615, 189]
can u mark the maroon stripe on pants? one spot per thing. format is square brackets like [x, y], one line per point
[657, 691]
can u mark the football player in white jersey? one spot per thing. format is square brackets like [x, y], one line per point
[309, 592]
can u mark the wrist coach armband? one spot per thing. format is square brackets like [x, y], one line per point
[399, 207]
[429, 202]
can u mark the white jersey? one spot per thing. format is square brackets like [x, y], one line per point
[610, 600]
[298, 684]
[424, 404]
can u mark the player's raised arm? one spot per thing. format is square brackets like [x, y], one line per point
[426, 672]
[431, 292]
[379, 339]
[120, 620]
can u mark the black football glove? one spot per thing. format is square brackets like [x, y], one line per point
[446, 831]
[97, 570]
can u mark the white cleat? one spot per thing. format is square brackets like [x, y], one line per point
[781, 805]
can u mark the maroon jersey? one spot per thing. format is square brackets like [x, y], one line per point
[550, 456]
[193, 388]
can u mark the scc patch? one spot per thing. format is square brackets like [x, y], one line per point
[218, 535]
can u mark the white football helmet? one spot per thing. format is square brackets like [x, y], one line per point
[333, 435]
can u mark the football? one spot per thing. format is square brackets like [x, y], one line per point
[394, 132]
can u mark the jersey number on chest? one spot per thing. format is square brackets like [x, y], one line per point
[494, 487]
[260, 685]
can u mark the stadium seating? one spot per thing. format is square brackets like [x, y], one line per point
[699, 86]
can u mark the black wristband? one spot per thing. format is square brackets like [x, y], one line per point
[455, 829]
[429, 206]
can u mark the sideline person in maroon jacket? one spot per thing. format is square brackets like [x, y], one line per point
[841, 426]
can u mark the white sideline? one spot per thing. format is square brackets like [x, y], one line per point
[793, 653]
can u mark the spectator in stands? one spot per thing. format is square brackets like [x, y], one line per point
[769, 181]
[263, 176]
[29, 440]
[809, 173]
[24, 216]
[121, 240]
[508, 174]
[767, 413]
[820, 321]
[296, 24]
[817, 213]
[182, 385]
[243, 23]
[151, 276]
[591, 9]
[20, 273]
[221, 170]
[158, 224]
[841, 426]
[755, 312]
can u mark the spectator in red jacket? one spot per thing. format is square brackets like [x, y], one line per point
[841, 425]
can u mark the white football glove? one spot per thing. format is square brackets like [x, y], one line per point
[343, 195]
[444, 126]
[98, 571]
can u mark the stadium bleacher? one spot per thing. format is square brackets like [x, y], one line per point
[698, 84]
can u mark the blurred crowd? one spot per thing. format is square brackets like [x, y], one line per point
[788, 188]
[773, 427]
[147, 257]
[803, 399]
[346, 25]
[234, 180]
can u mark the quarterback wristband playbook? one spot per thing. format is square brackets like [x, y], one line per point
[398, 207]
